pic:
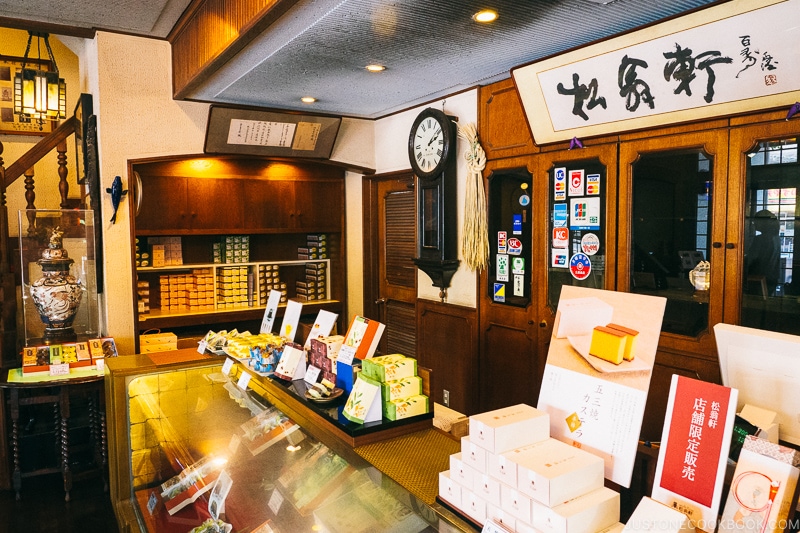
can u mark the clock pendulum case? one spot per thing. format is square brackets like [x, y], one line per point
[432, 154]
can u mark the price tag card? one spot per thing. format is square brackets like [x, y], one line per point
[101, 365]
[234, 443]
[290, 320]
[323, 326]
[275, 501]
[346, 355]
[227, 366]
[201, 347]
[312, 373]
[490, 526]
[270, 311]
[59, 370]
[244, 379]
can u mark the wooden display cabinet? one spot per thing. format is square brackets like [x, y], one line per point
[276, 205]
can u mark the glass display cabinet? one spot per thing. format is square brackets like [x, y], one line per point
[187, 443]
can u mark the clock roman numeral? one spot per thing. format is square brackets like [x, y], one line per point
[439, 153]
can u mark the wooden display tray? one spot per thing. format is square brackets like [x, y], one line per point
[329, 419]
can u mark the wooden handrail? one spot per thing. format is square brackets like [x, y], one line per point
[39, 150]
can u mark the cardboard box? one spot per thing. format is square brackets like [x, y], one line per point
[486, 487]
[552, 472]
[503, 468]
[511, 427]
[401, 388]
[406, 408]
[500, 517]
[460, 472]
[449, 490]
[474, 455]
[473, 505]
[588, 513]
[651, 515]
[515, 503]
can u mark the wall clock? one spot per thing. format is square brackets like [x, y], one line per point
[432, 154]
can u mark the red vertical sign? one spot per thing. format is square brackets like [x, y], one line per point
[694, 445]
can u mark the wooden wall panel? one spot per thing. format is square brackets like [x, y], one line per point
[503, 128]
[447, 343]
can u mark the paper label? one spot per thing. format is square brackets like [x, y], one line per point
[201, 347]
[275, 501]
[502, 267]
[312, 373]
[152, 502]
[346, 354]
[61, 369]
[270, 311]
[227, 366]
[244, 379]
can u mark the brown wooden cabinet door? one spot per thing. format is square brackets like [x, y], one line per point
[214, 204]
[318, 205]
[163, 204]
[503, 127]
[267, 204]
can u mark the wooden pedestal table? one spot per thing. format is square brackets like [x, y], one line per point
[22, 390]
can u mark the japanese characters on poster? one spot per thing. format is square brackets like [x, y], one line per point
[594, 392]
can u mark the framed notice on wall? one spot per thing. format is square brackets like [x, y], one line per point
[268, 133]
[11, 124]
[730, 58]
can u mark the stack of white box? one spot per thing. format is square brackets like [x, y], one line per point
[509, 470]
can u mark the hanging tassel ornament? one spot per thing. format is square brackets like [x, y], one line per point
[475, 234]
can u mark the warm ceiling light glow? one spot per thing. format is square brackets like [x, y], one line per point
[308, 99]
[375, 68]
[485, 16]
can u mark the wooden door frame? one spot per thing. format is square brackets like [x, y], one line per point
[370, 214]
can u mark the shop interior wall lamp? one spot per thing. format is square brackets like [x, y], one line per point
[39, 94]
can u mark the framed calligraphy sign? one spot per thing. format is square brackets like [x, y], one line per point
[257, 132]
[730, 58]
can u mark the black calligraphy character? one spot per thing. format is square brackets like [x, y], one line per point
[767, 62]
[748, 58]
[631, 87]
[683, 65]
[581, 94]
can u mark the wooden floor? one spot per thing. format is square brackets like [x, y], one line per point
[42, 507]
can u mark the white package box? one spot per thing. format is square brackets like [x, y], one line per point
[515, 503]
[474, 455]
[585, 514]
[579, 316]
[512, 427]
[487, 488]
[503, 468]
[552, 472]
[616, 528]
[522, 527]
[473, 505]
[449, 490]
[495, 513]
[460, 472]
[651, 515]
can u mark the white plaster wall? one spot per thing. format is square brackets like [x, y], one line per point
[391, 154]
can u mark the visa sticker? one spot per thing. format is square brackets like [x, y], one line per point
[517, 225]
[593, 184]
[502, 236]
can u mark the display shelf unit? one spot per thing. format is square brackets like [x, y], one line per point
[171, 409]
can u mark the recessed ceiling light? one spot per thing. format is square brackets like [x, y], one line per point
[308, 99]
[485, 16]
[375, 68]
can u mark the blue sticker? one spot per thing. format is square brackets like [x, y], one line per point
[499, 292]
[516, 227]
[524, 200]
[560, 215]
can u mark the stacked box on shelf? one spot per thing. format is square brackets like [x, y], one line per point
[233, 287]
[143, 296]
[314, 286]
[401, 387]
[316, 247]
[269, 279]
[187, 291]
[511, 471]
[141, 257]
[323, 354]
[165, 251]
[232, 249]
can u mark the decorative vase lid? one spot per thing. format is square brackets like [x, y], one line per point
[55, 257]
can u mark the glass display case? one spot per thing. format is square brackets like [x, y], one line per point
[189, 443]
[58, 272]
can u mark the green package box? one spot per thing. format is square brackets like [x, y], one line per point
[390, 370]
[406, 408]
[399, 389]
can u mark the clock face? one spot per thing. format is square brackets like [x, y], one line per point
[428, 142]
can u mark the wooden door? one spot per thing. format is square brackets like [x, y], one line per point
[162, 204]
[390, 276]
[223, 212]
[318, 205]
[267, 204]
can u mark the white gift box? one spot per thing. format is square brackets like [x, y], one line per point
[522, 527]
[474, 455]
[651, 515]
[449, 490]
[460, 472]
[552, 472]
[501, 517]
[487, 488]
[511, 427]
[515, 503]
[473, 505]
[503, 468]
[579, 316]
[585, 514]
